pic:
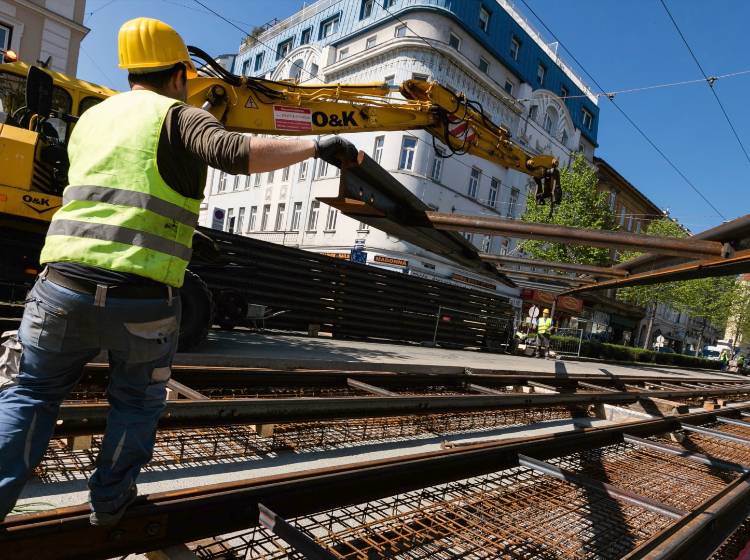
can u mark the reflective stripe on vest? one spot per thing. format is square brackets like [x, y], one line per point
[544, 325]
[118, 213]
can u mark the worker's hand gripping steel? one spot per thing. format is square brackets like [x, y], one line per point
[335, 150]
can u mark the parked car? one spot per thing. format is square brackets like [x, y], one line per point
[666, 350]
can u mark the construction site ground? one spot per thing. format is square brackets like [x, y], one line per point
[244, 348]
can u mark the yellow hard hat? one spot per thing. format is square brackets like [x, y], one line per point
[546, 311]
[149, 45]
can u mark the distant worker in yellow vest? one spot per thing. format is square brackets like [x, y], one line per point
[115, 257]
[543, 330]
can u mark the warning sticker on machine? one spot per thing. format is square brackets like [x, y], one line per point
[292, 118]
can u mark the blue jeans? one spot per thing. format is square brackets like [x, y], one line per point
[60, 332]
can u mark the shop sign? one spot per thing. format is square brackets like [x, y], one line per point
[390, 261]
[473, 281]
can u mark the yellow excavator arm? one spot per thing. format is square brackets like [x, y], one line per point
[271, 107]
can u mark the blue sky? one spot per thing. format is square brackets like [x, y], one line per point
[622, 44]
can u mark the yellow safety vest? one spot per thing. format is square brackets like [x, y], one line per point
[544, 325]
[118, 213]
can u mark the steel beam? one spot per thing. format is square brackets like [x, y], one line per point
[518, 229]
[372, 389]
[707, 268]
[542, 276]
[695, 457]
[90, 418]
[716, 434]
[733, 422]
[167, 518]
[583, 268]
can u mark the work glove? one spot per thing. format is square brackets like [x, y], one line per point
[335, 150]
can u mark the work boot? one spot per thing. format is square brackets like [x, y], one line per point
[110, 519]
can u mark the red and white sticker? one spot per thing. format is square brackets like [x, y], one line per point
[295, 119]
[460, 129]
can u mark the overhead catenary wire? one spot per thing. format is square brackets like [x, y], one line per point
[627, 117]
[709, 81]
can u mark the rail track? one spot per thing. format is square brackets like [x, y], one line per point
[674, 487]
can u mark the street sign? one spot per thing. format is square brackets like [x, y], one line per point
[533, 312]
[217, 219]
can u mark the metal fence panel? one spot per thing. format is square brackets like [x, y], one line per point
[566, 341]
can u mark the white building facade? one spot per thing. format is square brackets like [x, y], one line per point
[521, 85]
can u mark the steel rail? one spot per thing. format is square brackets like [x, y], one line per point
[168, 518]
[90, 418]
[584, 268]
[692, 248]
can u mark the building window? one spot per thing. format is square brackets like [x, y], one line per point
[240, 219]
[247, 181]
[541, 71]
[329, 26]
[302, 171]
[304, 38]
[245, 67]
[454, 41]
[564, 138]
[322, 169]
[513, 202]
[630, 223]
[258, 62]
[437, 165]
[371, 42]
[312, 220]
[280, 212]
[6, 31]
[366, 9]
[494, 189]
[547, 123]
[343, 53]
[484, 19]
[564, 92]
[612, 200]
[623, 211]
[486, 243]
[251, 219]
[296, 214]
[271, 175]
[285, 174]
[484, 66]
[264, 217]
[222, 182]
[418, 76]
[400, 31]
[638, 226]
[230, 221]
[515, 48]
[331, 219]
[377, 149]
[285, 47]
[390, 81]
[468, 236]
[474, 178]
[508, 87]
[588, 119]
[533, 111]
[314, 70]
[236, 183]
[363, 227]
[408, 147]
[388, 3]
[258, 177]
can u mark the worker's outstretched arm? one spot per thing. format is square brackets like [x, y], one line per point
[267, 154]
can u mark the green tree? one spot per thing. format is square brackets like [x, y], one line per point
[582, 206]
[709, 299]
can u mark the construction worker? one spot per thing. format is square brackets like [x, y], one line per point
[724, 359]
[115, 256]
[543, 329]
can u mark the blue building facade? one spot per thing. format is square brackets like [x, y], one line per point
[329, 22]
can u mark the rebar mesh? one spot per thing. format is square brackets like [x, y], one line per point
[234, 443]
[514, 514]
